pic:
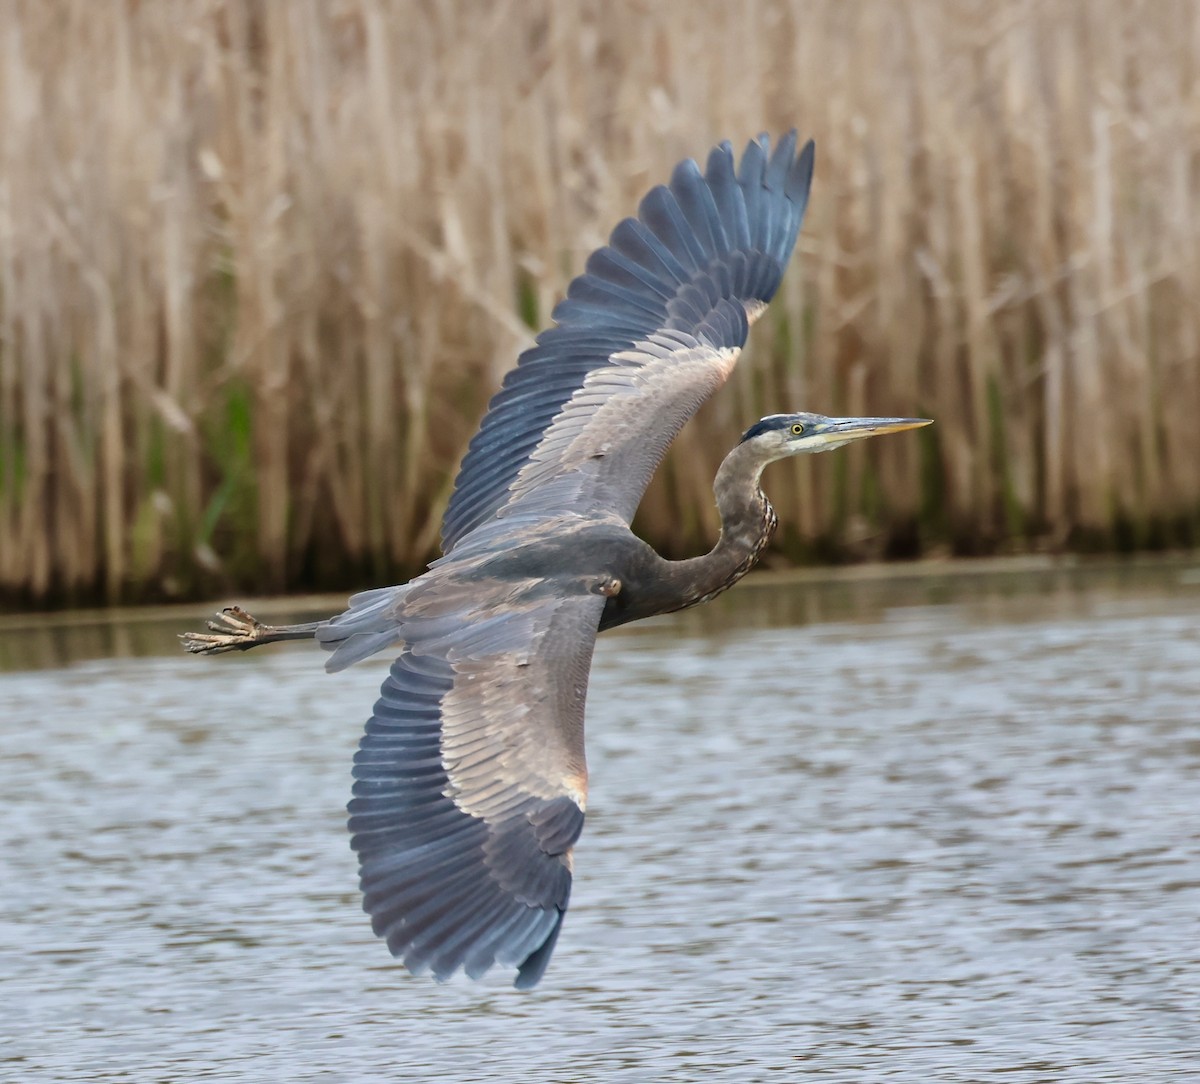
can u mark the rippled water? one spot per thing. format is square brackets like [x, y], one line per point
[913, 828]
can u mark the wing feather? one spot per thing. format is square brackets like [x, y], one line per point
[728, 197]
[704, 245]
[751, 175]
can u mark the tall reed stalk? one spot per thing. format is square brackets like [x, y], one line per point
[261, 264]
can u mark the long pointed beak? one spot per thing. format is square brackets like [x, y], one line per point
[845, 429]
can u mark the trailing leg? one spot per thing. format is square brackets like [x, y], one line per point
[233, 629]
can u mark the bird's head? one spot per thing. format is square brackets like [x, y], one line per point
[781, 435]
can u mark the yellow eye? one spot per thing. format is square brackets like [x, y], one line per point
[797, 429]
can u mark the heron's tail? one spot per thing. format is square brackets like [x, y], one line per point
[369, 625]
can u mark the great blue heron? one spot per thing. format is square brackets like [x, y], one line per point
[470, 779]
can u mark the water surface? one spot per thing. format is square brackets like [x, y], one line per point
[901, 827]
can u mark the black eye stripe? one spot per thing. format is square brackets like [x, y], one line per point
[767, 425]
[776, 423]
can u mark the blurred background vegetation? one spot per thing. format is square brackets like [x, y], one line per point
[262, 264]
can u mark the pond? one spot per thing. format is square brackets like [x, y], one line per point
[923, 823]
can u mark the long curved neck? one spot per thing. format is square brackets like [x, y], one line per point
[653, 585]
[747, 523]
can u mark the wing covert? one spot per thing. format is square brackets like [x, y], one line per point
[658, 316]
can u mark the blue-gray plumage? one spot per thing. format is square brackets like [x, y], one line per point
[470, 781]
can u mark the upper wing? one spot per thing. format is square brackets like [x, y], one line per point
[651, 329]
[470, 780]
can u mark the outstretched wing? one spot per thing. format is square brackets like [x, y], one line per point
[471, 780]
[651, 329]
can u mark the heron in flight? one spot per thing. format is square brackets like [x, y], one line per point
[470, 780]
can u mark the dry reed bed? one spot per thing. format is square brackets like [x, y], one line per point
[262, 263]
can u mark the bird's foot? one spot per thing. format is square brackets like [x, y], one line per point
[234, 630]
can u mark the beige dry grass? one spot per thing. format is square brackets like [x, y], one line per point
[261, 264]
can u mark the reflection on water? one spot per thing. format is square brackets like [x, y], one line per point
[921, 828]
